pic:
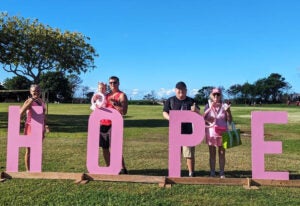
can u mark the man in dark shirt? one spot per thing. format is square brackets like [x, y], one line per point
[182, 102]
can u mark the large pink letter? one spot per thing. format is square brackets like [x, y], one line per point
[261, 147]
[33, 140]
[176, 139]
[116, 149]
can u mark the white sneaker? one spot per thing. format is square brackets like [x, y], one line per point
[222, 174]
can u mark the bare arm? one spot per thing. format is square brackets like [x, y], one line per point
[166, 115]
[122, 105]
[27, 104]
[195, 108]
[229, 116]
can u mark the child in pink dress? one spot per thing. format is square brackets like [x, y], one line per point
[33, 100]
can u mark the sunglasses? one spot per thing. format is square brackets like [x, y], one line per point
[216, 94]
[113, 82]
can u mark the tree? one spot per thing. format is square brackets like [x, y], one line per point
[85, 90]
[16, 83]
[247, 92]
[235, 91]
[276, 84]
[261, 90]
[271, 88]
[28, 48]
[203, 94]
[150, 96]
[57, 85]
[74, 82]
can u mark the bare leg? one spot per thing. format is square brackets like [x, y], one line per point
[190, 162]
[212, 160]
[27, 159]
[222, 160]
[106, 155]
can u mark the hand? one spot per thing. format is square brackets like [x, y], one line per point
[114, 102]
[97, 97]
[209, 120]
[193, 107]
[226, 107]
[47, 130]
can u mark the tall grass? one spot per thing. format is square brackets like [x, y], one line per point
[146, 153]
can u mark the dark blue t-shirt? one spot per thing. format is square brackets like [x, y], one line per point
[176, 104]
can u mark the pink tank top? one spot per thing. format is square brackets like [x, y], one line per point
[110, 96]
[29, 111]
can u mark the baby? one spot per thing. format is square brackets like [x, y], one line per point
[98, 99]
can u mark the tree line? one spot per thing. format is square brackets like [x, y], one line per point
[273, 89]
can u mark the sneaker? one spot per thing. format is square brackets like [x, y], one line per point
[191, 174]
[222, 174]
[212, 174]
[123, 172]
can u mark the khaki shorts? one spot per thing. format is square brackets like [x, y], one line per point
[188, 152]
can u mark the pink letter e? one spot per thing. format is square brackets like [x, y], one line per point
[261, 147]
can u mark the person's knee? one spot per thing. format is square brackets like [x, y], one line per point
[221, 151]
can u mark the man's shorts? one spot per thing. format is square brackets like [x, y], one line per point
[105, 132]
[188, 152]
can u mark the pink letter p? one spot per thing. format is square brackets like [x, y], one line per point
[176, 139]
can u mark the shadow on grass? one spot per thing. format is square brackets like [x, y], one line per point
[200, 173]
[294, 176]
[68, 123]
[149, 172]
[79, 123]
[184, 173]
[146, 123]
[3, 119]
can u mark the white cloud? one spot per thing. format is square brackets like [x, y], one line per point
[193, 92]
[164, 93]
[137, 94]
[134, 94]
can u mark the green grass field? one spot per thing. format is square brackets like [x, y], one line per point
[145, 151]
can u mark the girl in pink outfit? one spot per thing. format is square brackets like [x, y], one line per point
[33, 100]
[216, 117]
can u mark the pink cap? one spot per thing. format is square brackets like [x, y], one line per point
[216, 90]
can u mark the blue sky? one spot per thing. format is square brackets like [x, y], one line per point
[152, 44]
